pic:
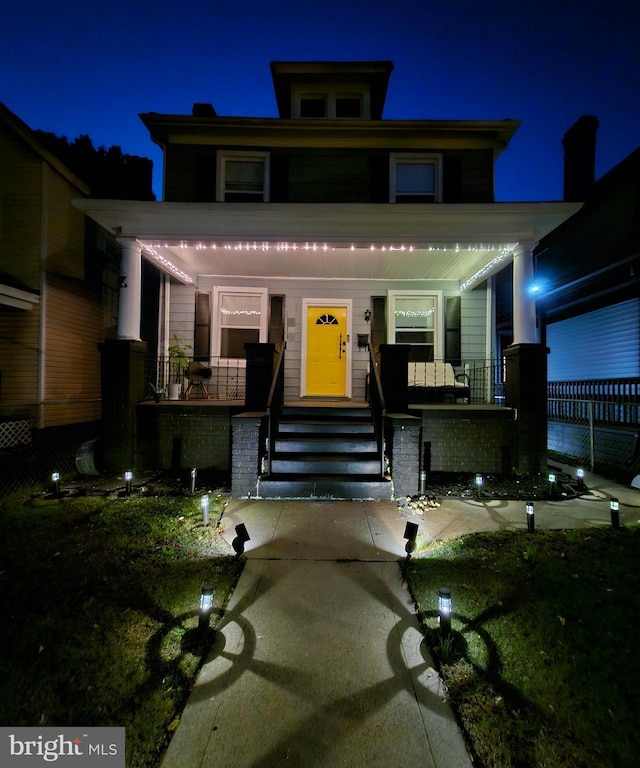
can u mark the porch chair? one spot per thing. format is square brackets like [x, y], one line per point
[197, 375]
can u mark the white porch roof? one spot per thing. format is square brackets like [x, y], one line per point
[465, 242]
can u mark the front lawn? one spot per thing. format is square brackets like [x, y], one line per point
[542, 664]
[99, 601]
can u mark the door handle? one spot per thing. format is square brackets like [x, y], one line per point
[340, 348]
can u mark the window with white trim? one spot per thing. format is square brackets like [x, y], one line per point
[415, 318]
[415, 178]
[333, 103]
[243, 177]
[240, 317]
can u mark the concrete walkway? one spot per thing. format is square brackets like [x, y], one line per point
[318, 659]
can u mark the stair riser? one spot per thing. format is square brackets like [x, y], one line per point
[325, 488]
[311, 466]
[328, 428]
[329, 446]
[309, 411]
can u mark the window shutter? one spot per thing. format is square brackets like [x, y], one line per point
[452, 338]
[202, 334]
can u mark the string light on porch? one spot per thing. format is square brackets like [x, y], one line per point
[484, 271]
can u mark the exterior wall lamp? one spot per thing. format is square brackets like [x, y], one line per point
[367, 315]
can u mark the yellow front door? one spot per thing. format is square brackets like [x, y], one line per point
[327, 351]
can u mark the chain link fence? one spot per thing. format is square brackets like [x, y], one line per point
[28, 457]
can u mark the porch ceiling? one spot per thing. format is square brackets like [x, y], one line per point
[312, 241]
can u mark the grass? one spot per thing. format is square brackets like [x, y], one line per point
[542, 664]
[99, 600]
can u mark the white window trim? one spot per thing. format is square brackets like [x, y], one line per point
[330, 93]
[224, 155]
[223, 290]
[415, 157]
[438, 325]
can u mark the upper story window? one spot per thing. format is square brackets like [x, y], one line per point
[243, 177]
[415, 178]
[331, 103]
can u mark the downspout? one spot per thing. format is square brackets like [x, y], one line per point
[42, 330]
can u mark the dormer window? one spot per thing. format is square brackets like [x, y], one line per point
[346, 104]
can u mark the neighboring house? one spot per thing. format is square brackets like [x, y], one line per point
[58, 301]
[325, 230]
[588, 276]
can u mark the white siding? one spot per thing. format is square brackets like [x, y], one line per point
[604, 344]
[358, 291]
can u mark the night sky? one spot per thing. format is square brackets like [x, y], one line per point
[81, 67]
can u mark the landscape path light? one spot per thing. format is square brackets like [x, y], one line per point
[552, 483]
[204, 506]
[194, 476]
[410, 534]
[128, 477]
[580, 477]
[479, 483]
[206, 605]
[242, 536]
[55, 479]
[444, 611]
[531, 523]
[614, 508]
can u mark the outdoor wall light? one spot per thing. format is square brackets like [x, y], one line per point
[367, 315]
[128, 477]
[444, 610]
[410, 534]
[194, 476]
[614, 507]
[206, 604]
[204, 506]
[531, 523]
[242, 536]
[55, 479]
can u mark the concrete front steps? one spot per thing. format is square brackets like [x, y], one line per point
[326, 452]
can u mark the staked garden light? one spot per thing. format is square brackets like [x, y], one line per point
[444, 611]
[206, 605]
[580, 477]
[479, 484]
[194, 476]
[128, 477]
[552, 483]
[614, 507]
[410, 534]
[204, 506]
[242, 536]
[55, 479]
[531, 523]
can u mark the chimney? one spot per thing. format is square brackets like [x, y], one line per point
[579, 144]
[200, 109]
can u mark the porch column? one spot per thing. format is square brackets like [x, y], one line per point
[524, 305]
[130, 296]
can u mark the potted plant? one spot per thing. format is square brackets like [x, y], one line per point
[179, 362]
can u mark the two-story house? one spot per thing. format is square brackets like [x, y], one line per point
[327, 230]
